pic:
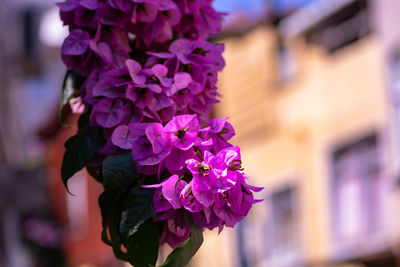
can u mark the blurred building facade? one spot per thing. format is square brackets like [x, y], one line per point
[41, 224]
[29, 234]
[314, 100]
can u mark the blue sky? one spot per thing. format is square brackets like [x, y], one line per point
[253, 5]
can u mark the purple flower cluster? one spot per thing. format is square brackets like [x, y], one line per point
[207, 178]
[150, 83]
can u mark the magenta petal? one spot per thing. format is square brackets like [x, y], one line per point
[108, 112]
[134, 68]
[178, 227]
[141, 149]
[160, 101]
[154, 158]
[155, 134]
[76, 43]
[159, 202]
[89, 4]
[182, 122]
[122, 138]
[189, 202]
[159, 70]
[204, 197]
[153, 87]
[235, 197]
[217, 124]
[176, 160]
[229, 154]
[68, 5]
[138, 129]
[254, 188]
[208, 156]
[161, 54]
[173, 239]
[148, 14]
[222, 127]
[103, 50]
[207, 218]
[201, 183]
[171, 189]
[230, 218]
[199, 219]
[182, 80]
[180, 46]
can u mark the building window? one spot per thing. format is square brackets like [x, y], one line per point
[284, 226]
[269, 235]
[356, 189]
[251, 241]
[342, 27]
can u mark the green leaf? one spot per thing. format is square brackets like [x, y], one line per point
[107, 202]
[111, 206]
[119, 170]
[185, 252]
[80, 148]
[72, 82]
[137, 208]
[127, 221]
[143, 245]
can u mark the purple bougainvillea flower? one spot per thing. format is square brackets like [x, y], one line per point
[181, 81]
[203, 172]
[160, 72]
[207, 20]
[150, 83]
[135, 70]
[68, 5]
[160, 202]
[145, 10]
[232, 206]
[108, 112]
[90, 4]
[175, 231]
[158, 137]
[189, 202]
[85, 18]
[225, 213]
[112, 85]
[170, 12]
[170, 189]
[112, 16]
[159, 102]
[103, 50]
[221, 131]
[248, 199]
[175, 161]
[141, 149]
[122, 137]
[207, 218]
[181, 48]
[148, 148]
[76, 43]
[123, 5]
[183, 130]
[153, 159]
[140, 96]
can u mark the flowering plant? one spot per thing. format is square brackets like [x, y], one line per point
[143, 76]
